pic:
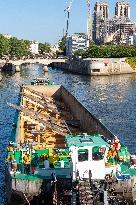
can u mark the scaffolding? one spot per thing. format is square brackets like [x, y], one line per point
[105, 29]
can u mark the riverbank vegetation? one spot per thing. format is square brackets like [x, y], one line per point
[107, 51]
[131, 61]
[13, 48]
[44, 48]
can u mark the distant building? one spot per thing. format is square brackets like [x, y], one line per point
[76, 42]
[132, 40]
[122, 9]
[102, 10]
[119, 29]
[101, 14]
[55, 47]
[34, 47]
[115, 29]
[8, 36]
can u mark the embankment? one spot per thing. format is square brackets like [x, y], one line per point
[96, 66]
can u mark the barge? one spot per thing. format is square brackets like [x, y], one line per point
[59, 143]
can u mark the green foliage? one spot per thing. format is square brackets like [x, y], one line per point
[110, 51]
[15, 48]
[18, 48]
[62, 44]
[4, 46]
[79, 52]
[10, 48]
[132, 62]
[44, 48]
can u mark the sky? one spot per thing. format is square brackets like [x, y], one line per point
[45, 20]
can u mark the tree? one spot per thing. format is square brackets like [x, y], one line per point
[19, 48]
[62, 45]
[79, 52]
[4, 46]
[110, 51]
[44, 48]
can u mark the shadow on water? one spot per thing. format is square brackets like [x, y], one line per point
[112, 99]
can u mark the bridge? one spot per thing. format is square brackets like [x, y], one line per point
[17, 64]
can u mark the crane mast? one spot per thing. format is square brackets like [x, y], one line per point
[89, 22]
[67, 10]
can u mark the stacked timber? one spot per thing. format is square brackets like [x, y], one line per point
[42, 120]
[85, 193]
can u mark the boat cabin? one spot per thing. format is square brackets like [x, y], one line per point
[40, 81]
[88, 154]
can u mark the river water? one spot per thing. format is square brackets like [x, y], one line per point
[112, 99]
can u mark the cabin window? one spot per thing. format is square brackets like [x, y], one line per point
[98, 153]
[96, 70]
[82, 155]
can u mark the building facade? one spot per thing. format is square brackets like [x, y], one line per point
[132, 40]
[34, 47]
[115, 29]
[122, 9]
[76, 42]
[101, 14]
[8, 36]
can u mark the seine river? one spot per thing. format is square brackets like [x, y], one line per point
[112, 99]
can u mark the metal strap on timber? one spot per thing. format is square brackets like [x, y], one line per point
[49, 122]
[40, 103]
[41, 95]
[50, 107]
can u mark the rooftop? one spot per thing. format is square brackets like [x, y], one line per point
[86, 140]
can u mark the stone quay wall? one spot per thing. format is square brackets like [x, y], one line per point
[96, 66]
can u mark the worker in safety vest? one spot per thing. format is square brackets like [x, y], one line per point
[10, 150]
[27, 163]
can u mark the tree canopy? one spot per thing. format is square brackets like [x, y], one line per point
[44, 48]
[19, 48]
[109, 51]
[14, 48]
[62, 45]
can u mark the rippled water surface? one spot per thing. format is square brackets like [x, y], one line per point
[112, 99]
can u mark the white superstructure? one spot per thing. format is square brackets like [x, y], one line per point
[34, 47]
[76, 42]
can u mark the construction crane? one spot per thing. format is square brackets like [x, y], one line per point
[67, 10]
[89, 22]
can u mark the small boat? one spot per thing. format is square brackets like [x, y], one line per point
[59, 141]
[40, 81]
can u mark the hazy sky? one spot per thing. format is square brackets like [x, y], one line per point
[44, 20]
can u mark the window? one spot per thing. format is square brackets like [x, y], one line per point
[82, 155]
[98, 153]
[96, 70]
